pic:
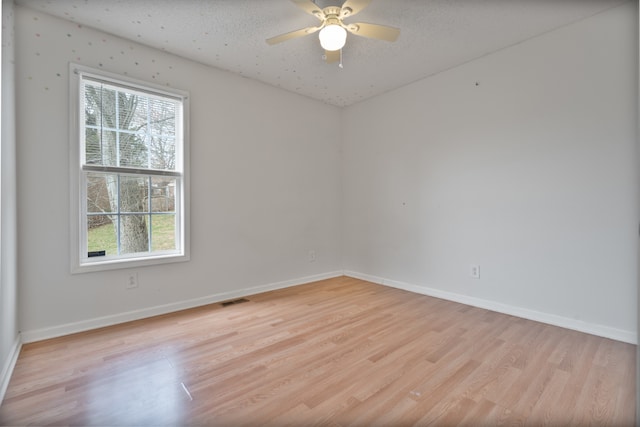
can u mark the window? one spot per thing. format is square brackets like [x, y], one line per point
[129, 187]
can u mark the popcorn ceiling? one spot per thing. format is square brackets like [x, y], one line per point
[435, 36]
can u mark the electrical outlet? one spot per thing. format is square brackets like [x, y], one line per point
[132, 281]
[474, 271]
[312, 256]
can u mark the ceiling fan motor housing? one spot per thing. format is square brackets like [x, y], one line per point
[331, 12]
[333, 31]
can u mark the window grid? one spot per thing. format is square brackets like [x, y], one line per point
[148, 213]
[146, 138]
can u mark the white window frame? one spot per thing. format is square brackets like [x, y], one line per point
[80, 261]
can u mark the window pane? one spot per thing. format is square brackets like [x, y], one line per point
[128, 212]
[100, 147]
[163, 152]
[163, 232]
[163, 194]
[100, 106]
[162, 117]
[133, 150]
[134, 236]
[108, 108]
[108, 152]
[134, 194]
[93, 149]
[101, 234]
[132, 112]
[92, 105]
[102, 193]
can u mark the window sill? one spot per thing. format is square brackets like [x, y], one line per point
[116, 264]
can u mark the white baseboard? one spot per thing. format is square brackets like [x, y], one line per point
[9, 365]
[551, 319]
[99, 322]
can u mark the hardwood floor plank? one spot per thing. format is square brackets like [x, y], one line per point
[449, 412]
[338, 352]
[545, 411]
[484, 411]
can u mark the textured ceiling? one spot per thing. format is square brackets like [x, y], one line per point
[230, 34]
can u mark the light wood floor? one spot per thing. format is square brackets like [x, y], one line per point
[337, 352]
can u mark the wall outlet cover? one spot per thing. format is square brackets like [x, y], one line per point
[474, 271]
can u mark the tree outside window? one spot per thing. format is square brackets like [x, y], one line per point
[131, 172]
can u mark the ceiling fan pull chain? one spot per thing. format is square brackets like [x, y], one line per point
[340, 64]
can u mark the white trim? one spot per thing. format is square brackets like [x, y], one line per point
[78, 263]
[551, 319]
[525, 313]
[9, 366]
[99, 322]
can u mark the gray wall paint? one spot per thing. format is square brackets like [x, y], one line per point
[638, 235]
[523, 162]
[264, 180]
[530, 174]
[8, 235]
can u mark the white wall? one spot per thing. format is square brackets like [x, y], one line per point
[265, 184]
[529, 173]
[9, 337]
[638, 235]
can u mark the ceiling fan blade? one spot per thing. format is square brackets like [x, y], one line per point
[331, 56]
[374, 31]
[292, 35]
[351, 7]
[310, 7]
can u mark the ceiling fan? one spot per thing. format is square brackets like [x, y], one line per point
[333, 32]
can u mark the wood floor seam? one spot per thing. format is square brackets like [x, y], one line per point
[337, 352]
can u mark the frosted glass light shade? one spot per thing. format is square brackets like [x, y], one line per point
[332, 37]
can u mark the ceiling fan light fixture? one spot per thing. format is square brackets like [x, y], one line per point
[332, 37]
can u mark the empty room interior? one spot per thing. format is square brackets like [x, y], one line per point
[434, 224]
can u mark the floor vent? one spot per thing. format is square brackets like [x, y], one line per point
[235, 301]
